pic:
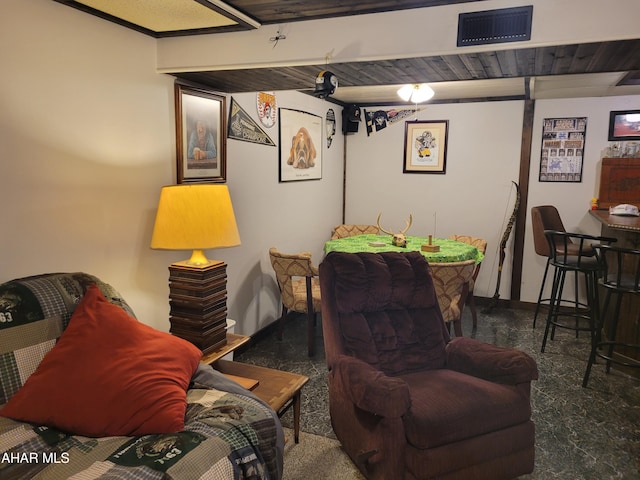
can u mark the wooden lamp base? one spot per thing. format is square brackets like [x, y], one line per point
[198, 301]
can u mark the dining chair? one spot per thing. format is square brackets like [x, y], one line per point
[346, 230]
[299, 287]
[481, 245]
[451, 281]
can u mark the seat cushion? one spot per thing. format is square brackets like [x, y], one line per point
[108, 375]
[448, 406]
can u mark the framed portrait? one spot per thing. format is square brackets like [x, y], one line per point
[425, 146]
[200, 135]
[624, 125]
[561, 152]
[300, 145]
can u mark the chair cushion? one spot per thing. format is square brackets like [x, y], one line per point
[448, 406]
[108, 375]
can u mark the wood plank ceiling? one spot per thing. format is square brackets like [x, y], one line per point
[525, 63]
[614, 56]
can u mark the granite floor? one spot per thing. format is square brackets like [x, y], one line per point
[581, 433]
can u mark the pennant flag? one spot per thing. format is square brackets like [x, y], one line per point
[243, 127]
[379, 119]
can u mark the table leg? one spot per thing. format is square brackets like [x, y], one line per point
[296, 416]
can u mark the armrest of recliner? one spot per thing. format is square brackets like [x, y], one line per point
[370, 389]
[490, 362]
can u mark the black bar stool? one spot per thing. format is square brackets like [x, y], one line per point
[547, 217]
[566, 258]
[621, 277]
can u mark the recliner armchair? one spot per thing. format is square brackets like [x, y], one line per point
[406, 401]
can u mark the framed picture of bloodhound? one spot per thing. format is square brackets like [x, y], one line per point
[300, 145]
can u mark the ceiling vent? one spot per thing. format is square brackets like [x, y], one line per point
[495, 26]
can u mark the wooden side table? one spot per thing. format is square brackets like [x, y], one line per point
[279, 389]
[234, 341]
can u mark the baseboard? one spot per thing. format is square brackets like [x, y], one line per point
[481, 302]
[486, 302]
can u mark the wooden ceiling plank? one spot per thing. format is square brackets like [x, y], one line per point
[562, 59]
[508, 64]
[490, 64]
[528, 62]
[474, 66]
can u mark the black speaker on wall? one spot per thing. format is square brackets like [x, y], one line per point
[350, 119]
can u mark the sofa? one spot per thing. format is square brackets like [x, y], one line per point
[406, 400]
[89, 392]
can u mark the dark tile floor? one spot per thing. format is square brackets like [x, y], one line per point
[581, 433]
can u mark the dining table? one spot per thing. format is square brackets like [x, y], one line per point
[452, 266]
[449, 250]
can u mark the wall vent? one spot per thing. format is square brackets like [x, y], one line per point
[495, 26]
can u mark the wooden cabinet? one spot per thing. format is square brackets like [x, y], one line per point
[619, 182]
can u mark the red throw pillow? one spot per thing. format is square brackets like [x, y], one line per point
[108, 375]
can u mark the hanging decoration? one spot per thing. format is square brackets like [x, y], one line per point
[243, 127]
[330, 126]
[267, 109]
[379, 119]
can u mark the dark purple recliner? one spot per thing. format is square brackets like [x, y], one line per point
[406, 401]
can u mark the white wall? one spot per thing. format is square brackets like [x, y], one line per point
[292, 216]
[573, 200]
[86, 132]
[475, 196]
[87, 138]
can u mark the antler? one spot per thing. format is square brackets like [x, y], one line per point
[408, 224]
[391, 233]
[382, 229]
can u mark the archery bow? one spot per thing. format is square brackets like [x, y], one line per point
[503, 244]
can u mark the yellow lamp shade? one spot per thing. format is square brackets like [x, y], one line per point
[195, 217]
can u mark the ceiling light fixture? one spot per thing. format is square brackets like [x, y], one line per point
[416, 93]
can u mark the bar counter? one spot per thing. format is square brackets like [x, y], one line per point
[617, 222]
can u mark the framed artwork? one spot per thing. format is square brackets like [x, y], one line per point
[300, 145]
[425, 146]
[200, 135]
[624, 125]
[562, 149]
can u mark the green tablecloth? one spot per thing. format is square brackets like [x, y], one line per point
[450, 250]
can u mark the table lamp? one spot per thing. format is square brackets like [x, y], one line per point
[197, 217]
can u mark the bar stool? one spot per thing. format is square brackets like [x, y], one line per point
[621, 277]
[565, 260]
[547, 217]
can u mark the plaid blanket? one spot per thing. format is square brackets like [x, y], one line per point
[229, 434]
